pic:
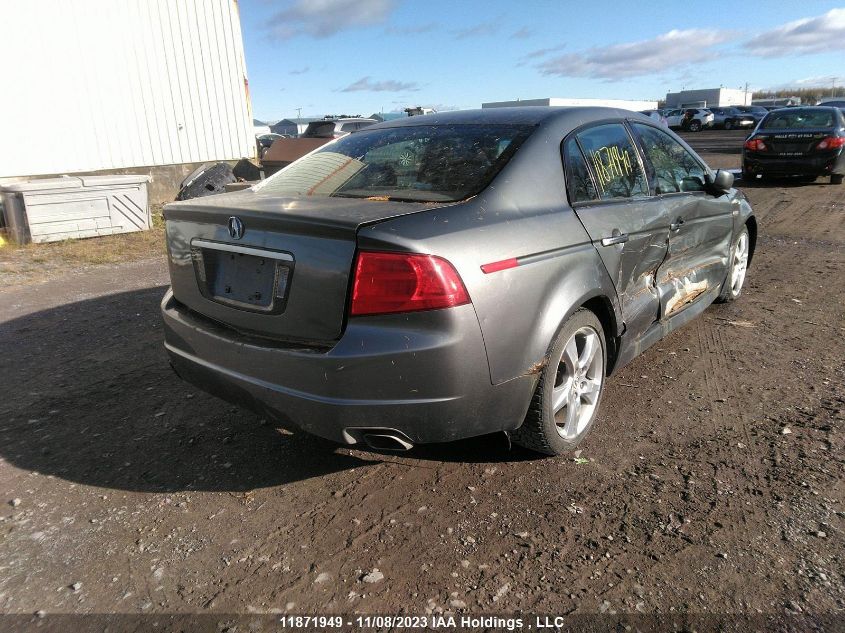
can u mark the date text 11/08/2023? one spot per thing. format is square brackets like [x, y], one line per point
[420, 622]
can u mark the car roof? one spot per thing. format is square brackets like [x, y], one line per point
[524, 115]
[826, 108]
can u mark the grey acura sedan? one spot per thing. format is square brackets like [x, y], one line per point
[446, 276]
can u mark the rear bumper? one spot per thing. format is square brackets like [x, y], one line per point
[789, 166]
[424, 374]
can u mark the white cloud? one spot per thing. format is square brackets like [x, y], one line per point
[324, 18]
[478, 30]
[411, 30]
[808, 35]
[820, 80]
[817, 81]
[389, 85]
[672, 49]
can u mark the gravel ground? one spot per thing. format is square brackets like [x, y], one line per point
[711, 484]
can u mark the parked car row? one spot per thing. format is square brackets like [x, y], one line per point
[697, 119]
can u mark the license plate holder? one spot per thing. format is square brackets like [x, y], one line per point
[242, 277]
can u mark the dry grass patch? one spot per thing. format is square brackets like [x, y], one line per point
[23, 263]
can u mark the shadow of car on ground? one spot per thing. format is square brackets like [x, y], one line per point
[90, 398]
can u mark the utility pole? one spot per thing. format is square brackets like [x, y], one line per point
[299, 113]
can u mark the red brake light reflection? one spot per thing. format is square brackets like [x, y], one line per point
[831, 142]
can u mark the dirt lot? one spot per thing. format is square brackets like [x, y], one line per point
[715, 481]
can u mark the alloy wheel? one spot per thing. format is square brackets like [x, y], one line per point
[739, 265]
[578, 382]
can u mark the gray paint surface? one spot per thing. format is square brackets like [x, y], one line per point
[463, 371]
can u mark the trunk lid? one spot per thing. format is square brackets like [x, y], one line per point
[287, 276]
[792, 142]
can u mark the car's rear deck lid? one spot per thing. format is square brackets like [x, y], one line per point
[270, 266]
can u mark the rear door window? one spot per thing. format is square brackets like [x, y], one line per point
[579, 182]
[614, 162]
[675, 169]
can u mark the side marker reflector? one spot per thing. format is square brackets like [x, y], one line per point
[495, 267]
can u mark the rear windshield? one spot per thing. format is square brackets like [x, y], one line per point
[424, 163]
[323, 129]
[795, 119]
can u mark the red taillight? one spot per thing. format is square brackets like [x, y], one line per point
[404, 282]
[755, 145]
[831, 142]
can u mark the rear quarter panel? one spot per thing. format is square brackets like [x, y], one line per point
[523, 214]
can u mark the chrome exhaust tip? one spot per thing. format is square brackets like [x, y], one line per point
[386, 442]
[379, 439]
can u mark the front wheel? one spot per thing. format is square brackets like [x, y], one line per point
[695, 126]
[732, 286]
[568, 394]
[729, 125]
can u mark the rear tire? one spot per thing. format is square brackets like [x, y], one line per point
[695, 126]
[729, 125]
[570, 388]
[836, 179]
[740, 250]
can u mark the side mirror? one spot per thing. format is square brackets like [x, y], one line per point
[722, 181]
[692, 183]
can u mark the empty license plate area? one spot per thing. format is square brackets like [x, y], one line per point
[241, 276]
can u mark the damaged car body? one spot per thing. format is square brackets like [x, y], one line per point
[447, 276]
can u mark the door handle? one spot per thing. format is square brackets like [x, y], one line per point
[616, 238]
[676, 225]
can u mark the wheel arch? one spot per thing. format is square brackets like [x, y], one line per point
[599, 302]
[601, 306]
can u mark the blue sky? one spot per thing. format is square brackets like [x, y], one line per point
[365, 56]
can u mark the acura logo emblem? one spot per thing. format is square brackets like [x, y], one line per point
[236, 228]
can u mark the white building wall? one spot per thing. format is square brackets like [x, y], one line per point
[707, 97]
[105, 84]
